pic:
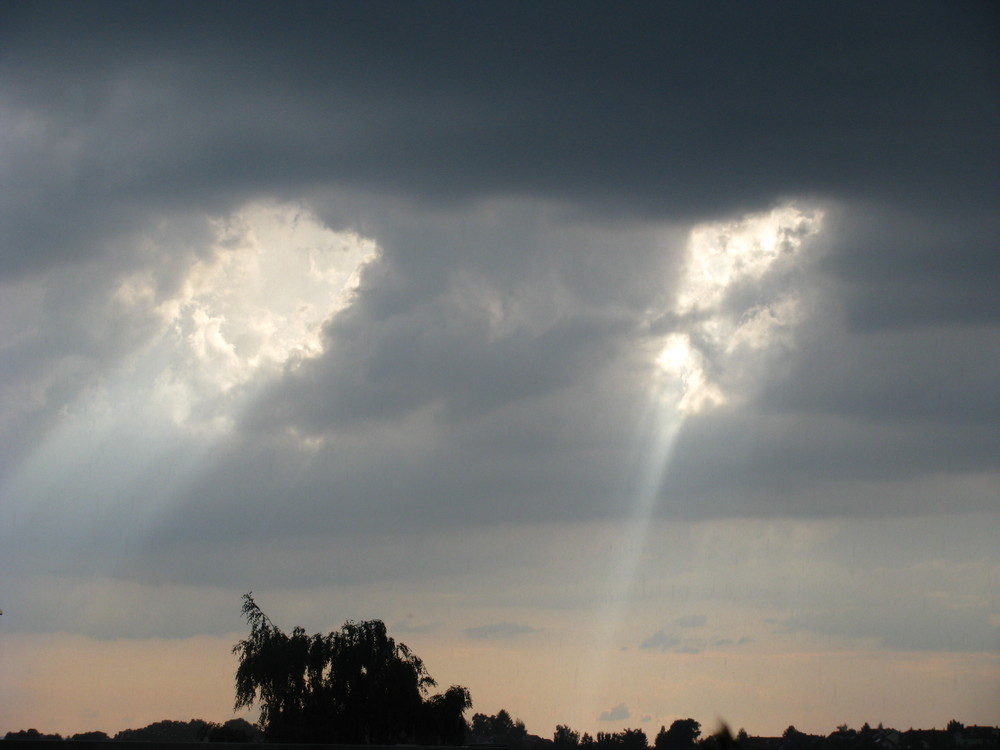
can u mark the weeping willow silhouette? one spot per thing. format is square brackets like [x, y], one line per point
[353, 686]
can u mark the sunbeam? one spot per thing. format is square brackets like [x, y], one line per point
[249, 304]
[710, 358]
[631, 361]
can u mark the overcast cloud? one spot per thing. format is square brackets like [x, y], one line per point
[428, 302]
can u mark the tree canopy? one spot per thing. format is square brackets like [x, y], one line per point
[355, 686]
[683, 734]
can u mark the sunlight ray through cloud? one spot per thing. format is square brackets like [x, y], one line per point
[639, 360]
[247, 306]
[736, 299]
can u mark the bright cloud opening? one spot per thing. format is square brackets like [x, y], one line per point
[686, 365]
[250, 303]
[737, 298]
[254, 304]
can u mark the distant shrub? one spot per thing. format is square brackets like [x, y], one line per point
[195, 730]
[90, 737]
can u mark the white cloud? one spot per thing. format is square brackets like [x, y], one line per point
[256, 304]
[728, 255]
[737, 298]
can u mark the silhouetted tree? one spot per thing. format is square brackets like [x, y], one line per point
[499, 729]
[722, 739]
[565, 738]
[168, 731]
[627, 739]
[442, 718]
[634, 739]
[234, 730]
[607, 741]
[681, 736]
[355, 686]
[31, 734]
[794, 739]
[90, 737]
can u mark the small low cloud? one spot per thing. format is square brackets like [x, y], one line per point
[691, 621]
[500, 630]
[687, 650]
[733, 641]
[662, 640]
[618, 713]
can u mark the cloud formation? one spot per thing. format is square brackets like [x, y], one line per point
[662, 640]
[618, 713]
[691, 621]
[499, 630]
[397, 297]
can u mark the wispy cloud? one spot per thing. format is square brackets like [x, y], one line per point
[499, 630]
[691, 621]
[661, 640]
[411, 625]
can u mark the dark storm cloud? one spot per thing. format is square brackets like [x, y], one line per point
[509, 161]
[440, 326]
[115, 111]
[916, 269]
[386, 369]
[531, 460]
[749, 463]
[943, 376]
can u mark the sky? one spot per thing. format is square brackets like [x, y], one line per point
[631, 361]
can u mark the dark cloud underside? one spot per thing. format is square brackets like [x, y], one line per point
[529, 173]
[648, 108]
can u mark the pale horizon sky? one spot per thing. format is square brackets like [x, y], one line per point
[632, 362]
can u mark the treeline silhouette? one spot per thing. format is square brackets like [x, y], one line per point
[686, 734]
[196, 730]
[501, 730]
[358, 686]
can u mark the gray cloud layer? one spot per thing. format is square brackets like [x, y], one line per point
[116, 112]
[529, 173]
